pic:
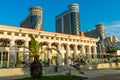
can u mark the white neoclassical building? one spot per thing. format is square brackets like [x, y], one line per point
[70, 46]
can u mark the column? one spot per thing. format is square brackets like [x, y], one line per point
[12, 43]
[60, 57]
[68, 54]
[76, 51]
[8, 60]
[26, 45]
[89, 52]
[83, 51]
[49, 54]
[26, 52]
[1, 59]
[95, 51]
[12, 53]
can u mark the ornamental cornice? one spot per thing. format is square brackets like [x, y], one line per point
[22, 33]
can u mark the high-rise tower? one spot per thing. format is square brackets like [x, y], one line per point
[68, 22]
[100, 30]
[34, 19]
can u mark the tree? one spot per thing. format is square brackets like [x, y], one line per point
[111, 49]
[35, 66]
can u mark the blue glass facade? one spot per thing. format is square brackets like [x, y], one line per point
[75, 25]
[34, 21]
[69, 21]
[31, 22]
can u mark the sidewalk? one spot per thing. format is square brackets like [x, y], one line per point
[22, 76]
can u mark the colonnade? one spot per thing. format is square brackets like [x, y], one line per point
[66, 51]
[68, 46]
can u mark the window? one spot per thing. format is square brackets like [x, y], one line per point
[57, 38]
[1, 32]
[9, 33]
[47, 37]
[41, 37]
[61, 38]
[36, 36]
[16, 34]
[23, 34]
[65, 39]
[52, 37]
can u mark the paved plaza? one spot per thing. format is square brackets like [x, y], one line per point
[107, 77]
[106, 74]
[103, 75]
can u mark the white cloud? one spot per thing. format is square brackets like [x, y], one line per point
[113, 28]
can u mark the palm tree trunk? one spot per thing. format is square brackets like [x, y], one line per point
[36, 68]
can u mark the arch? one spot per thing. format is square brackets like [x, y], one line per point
[64, 52]
[46, 51]
[4, 42]
[19, 42]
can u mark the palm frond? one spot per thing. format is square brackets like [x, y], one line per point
[34, 46]
[50, 49]
[32, 38]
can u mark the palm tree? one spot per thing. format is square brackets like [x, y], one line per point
[35, 66]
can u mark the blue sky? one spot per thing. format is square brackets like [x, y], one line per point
[92, 12]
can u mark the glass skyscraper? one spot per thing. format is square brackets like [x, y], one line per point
[69, 21]
[34, 19]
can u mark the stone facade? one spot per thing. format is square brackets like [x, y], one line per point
[70, 46]
[113, 42]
